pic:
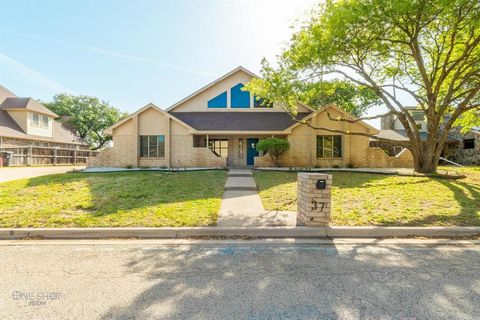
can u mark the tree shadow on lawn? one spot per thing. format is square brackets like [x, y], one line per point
[466, 194]
[313, 282]
[108, 193]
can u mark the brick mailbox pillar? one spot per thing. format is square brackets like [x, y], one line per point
[314, 199]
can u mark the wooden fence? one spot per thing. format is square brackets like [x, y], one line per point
[37, 156]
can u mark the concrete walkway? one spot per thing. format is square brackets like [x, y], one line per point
[15, 173]
[242, 207]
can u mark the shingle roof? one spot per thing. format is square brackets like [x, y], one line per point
[238, 121]
[9, 128]
[390, 134]
[423, 136]
[14, 103]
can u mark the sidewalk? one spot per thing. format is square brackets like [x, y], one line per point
[242, 207]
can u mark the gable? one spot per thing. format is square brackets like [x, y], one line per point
[224, 95]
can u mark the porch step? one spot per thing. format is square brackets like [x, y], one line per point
[240, 173]
[240, 183]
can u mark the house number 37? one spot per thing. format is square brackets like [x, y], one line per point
[316, 205]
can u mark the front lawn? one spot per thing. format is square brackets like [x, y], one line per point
[376, 199]
[149, 199]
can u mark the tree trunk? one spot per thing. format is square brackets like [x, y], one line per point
[425, 162]
[426, 165]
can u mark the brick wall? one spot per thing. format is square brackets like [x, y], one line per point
[314, 205]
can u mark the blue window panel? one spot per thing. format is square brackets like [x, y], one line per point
[219, 101]
[239, 98]
[261, 103]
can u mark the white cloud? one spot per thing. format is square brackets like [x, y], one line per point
[146, 60]
[34, 75]
[111, 53]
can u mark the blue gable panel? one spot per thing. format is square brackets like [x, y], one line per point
[219, 101]
[240, 99]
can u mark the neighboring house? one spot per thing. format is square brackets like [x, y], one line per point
[462, 148]
[26, 122]
[220, 125]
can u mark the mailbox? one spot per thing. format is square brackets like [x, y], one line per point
[321, 184]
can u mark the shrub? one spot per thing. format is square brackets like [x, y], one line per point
[274, 147]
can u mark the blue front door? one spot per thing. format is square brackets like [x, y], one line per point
[251, 150]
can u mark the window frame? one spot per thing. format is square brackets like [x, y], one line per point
[44, 124]
[154, 149]
[37, 122]
[332, 139]
[218, 149]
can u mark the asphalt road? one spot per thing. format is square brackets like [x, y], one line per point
[138, 280]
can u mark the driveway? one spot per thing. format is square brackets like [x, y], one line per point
[137, 279]
[14, 173]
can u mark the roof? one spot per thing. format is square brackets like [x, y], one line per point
[391, 134]
[9, 128]
[109, 130]
[238, 121]
[423, 136]
[14, 103]
[5, 93]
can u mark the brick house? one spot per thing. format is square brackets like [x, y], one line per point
[220, 125]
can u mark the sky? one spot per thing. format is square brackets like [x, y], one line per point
[131, 53]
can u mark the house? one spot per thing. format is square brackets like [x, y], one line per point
[462, 148]
[220, 125]
[26, 122]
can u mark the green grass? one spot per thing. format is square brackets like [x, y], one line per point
[376, 199]
[150, 199]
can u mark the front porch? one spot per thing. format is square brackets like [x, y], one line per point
[238, 150]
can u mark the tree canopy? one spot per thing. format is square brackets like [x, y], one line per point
[425, 49]
[86, 116]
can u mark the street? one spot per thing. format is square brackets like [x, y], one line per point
[134, 279]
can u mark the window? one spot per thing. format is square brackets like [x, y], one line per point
[240, 147]
[44, 121]
[152, 146]
[262, 103]
[199, 141]
[219, 147]
[418, 115]
[238, 97]
[35, 119]
[468, 143]
[329, 146]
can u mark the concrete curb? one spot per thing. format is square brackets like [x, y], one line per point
[382, 232]
[255, 232]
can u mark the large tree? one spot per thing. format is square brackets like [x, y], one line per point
[86, 116]
[426, 49]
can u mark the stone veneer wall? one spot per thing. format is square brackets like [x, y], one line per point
[455, 151]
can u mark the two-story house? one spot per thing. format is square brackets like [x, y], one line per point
[462, 148]
[220, 125]
[26, 122]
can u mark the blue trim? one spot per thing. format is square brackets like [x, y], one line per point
[239, 98]
[219, 101]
